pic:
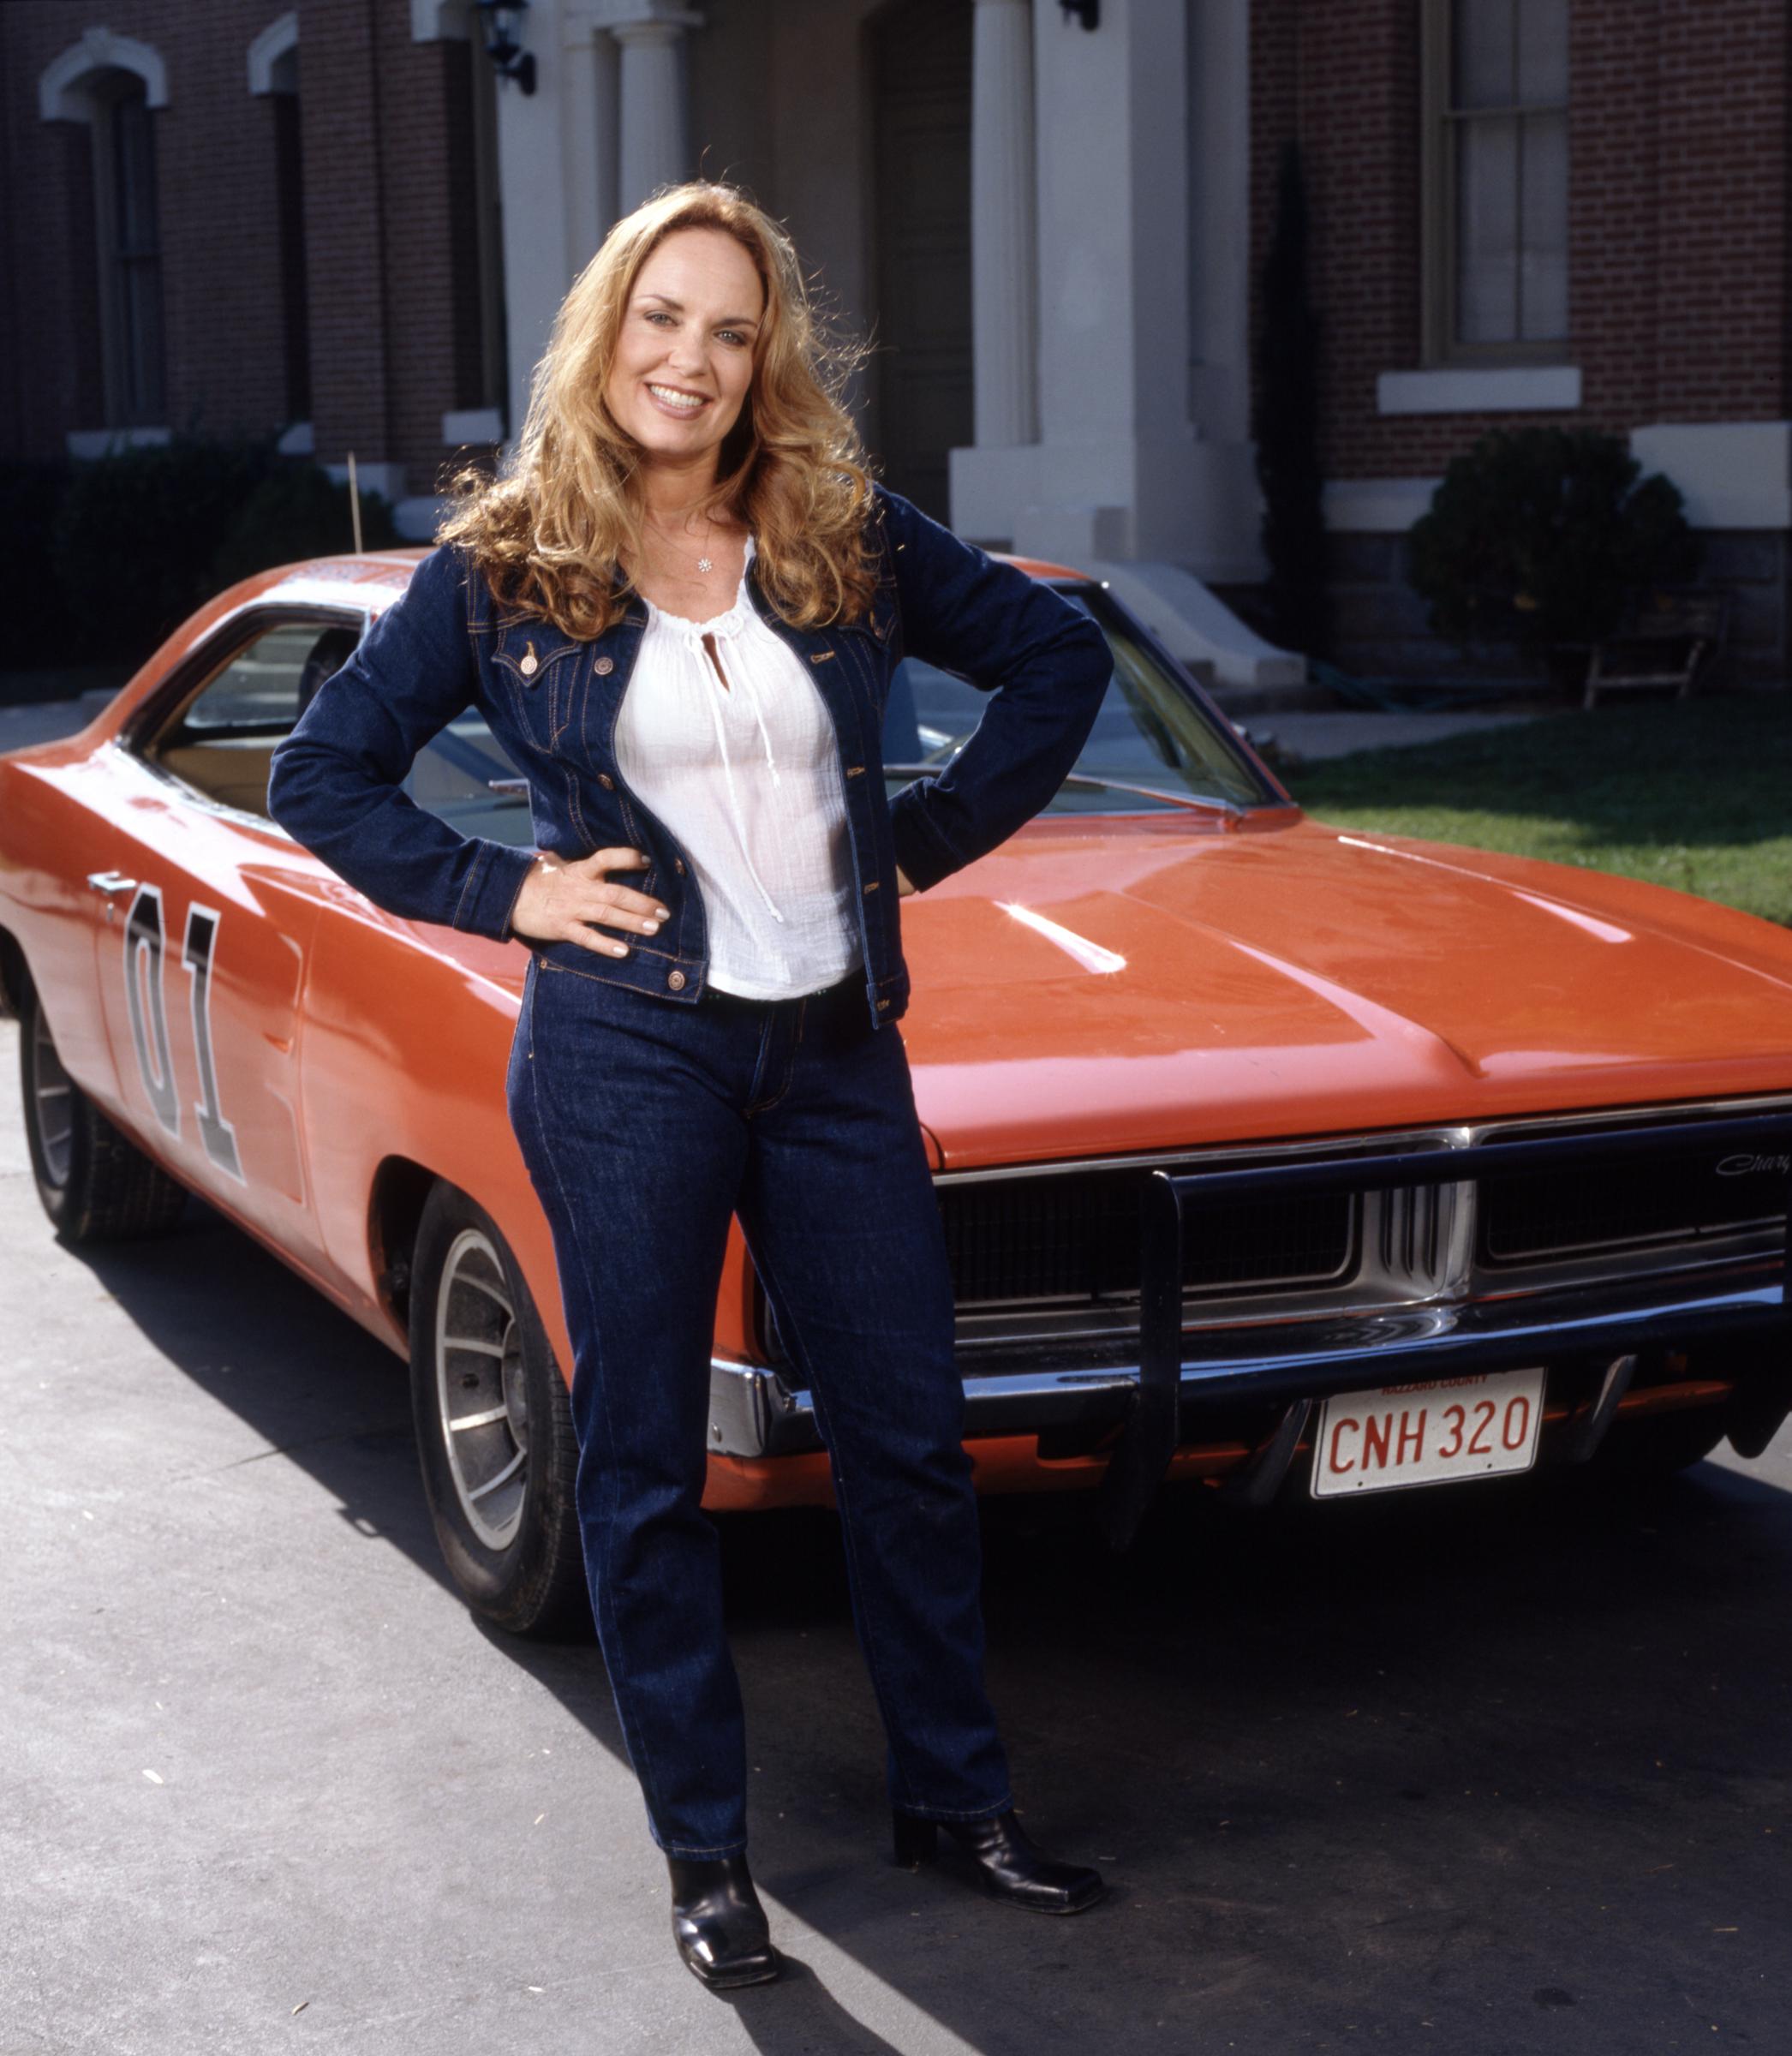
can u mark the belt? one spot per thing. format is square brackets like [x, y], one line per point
[853, 982]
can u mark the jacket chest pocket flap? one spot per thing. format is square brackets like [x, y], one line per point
[540, 668]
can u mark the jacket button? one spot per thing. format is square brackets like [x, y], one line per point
[605, 780]
[676, 980]
[604, 666]
[874, 885]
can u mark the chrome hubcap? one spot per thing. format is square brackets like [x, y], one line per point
[480, 1389]
[52, 1107]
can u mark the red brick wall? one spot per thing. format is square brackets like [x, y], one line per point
[214, 169]
[380, 239]
[1679, 284]
[383, 195]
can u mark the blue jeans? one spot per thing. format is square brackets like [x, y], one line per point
[645, 1125]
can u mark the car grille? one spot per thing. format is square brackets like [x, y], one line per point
[1049, 1253]
[1075, 1236]
[1683, 1197]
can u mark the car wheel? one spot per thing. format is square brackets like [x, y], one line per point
[95, 1184]
[494, 1427]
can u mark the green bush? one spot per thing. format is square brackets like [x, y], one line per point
[133, 542]
[136, 536]
[299, 510]
[30, 493]
[1539, 536]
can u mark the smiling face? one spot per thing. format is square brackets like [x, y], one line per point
[684, 360]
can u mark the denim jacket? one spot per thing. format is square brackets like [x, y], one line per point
[551, 700]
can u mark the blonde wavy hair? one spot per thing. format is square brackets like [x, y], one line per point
[550, 529]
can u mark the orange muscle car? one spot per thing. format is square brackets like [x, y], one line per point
[1290, 1160]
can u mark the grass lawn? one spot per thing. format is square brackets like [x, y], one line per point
[1694, 794]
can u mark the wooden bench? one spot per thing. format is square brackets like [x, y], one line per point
[1666, 639]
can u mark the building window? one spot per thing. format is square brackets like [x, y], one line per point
[1495, 180]
[289, 224]
[130, 258]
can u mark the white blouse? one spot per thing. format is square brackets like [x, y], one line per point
[747, 776]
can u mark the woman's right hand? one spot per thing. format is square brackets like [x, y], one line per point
[559, 900]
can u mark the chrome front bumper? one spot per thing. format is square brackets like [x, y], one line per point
[1153, 1400]
[754, 1413]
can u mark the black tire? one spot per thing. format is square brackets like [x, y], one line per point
[1657, 1445]
[95, 1184]
[501, 1498]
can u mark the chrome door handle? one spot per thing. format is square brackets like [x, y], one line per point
[109, 881]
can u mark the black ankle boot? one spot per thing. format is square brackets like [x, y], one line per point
[1011, 1868]
[718, 1921]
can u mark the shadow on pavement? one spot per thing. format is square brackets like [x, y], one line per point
[1509, 1767]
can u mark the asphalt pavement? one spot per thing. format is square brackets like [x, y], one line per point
[1503, 1770]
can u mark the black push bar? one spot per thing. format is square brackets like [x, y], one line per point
[1148, 1437]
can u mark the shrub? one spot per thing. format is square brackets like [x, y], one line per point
[139, 539]
[134, 538]
[1539, 536]
[30, 494]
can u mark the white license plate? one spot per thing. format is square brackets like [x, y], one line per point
[1428, 1432]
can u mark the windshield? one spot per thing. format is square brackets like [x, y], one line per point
[1151, 732]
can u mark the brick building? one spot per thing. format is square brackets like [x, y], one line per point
[1566, 211]
[213, 225]
[340, 223]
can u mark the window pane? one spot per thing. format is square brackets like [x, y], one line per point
[1543, 52]
[260, 687]
[1487, 230]
[133, 155]
[452, 779]
[1544, 290]
[1481, 38]
[140, 317]
[1150, 730]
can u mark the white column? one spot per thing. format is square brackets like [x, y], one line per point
[651, 94]
[1003, 239]
[532, 146]
[588, 139]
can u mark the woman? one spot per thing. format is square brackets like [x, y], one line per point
[688, 514]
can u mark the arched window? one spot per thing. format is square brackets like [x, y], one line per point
[274, 76]
[130, 259]
[114, 85]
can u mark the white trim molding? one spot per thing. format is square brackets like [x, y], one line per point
[1732, 475]
[62, 94]
[385, 478]
[280, 37]
[416, 519]
[440, 21]
[1480, 389]
[93, 443]
[1377, 506]
[472, 425]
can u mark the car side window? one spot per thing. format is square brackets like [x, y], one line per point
[221, 738]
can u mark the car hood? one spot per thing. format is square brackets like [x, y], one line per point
[1149, 984]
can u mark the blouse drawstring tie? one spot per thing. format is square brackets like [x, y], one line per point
[694, 635]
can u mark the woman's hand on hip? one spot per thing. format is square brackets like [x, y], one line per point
[560, 900]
